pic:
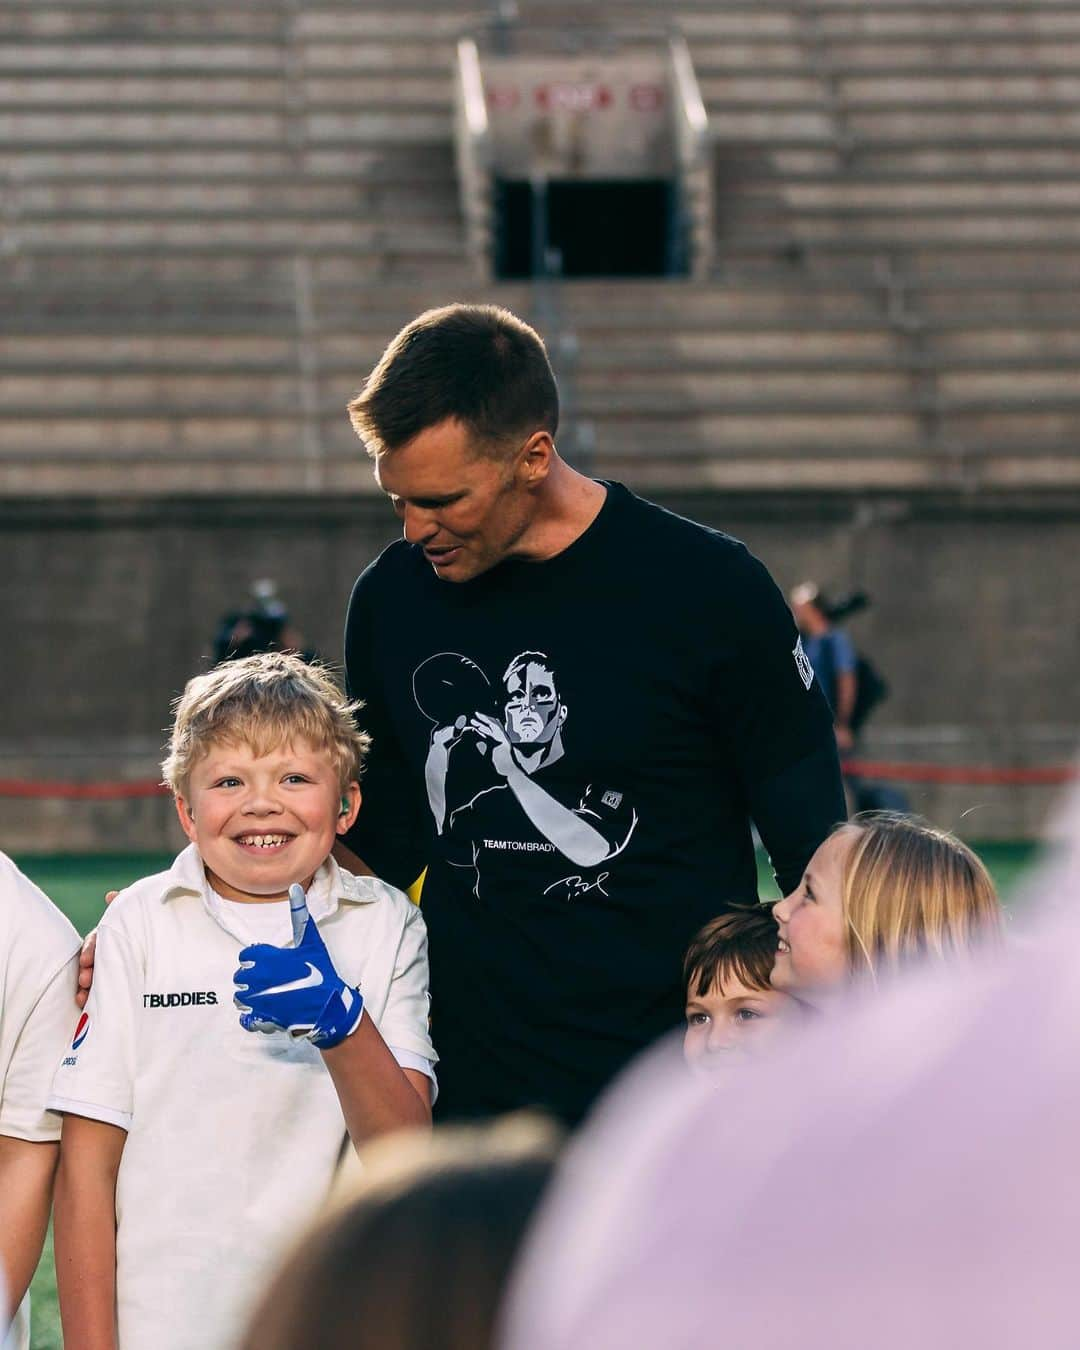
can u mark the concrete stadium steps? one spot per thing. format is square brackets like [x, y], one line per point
[216, 212]
[309, 197]
[246, 127]
[589, 307]
[215, 56]
[819, 446]
[418, 164]
[946, 160]
[375, 259]
[751, 376]
[848, 55]
[858, 368]
[866, 115]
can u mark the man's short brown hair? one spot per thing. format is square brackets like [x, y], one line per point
[477, 364]
[739, 945]
[264, 701]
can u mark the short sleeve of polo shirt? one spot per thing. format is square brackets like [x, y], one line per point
[38, 951]
[404, 1022]
[96, 1076]
[26, 1084]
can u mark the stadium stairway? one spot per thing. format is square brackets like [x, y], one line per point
[214, 214]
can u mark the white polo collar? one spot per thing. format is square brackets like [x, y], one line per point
[330, 887]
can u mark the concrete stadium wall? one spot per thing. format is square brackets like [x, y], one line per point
[108, 607]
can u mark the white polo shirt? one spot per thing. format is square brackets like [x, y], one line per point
[233, 1137]
[38, 960]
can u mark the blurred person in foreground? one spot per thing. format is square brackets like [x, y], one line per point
[416, 1253]
[884, 890]
[901, 1174]
[38, 954]
[732, 1008]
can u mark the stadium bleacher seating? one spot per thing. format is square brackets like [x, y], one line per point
[214, 214]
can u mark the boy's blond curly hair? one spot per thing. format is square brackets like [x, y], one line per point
[264, 701]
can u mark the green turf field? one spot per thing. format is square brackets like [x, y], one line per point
[78, 885]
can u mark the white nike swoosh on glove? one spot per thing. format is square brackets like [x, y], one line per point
[310, 981]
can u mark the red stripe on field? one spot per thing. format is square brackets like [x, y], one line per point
[972, 775]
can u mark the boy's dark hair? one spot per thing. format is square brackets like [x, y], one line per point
[740, 944]
[478, 364]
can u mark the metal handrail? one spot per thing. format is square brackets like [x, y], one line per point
[471, 84]
[691, 129]
[472, 151]
[306, 330]
[692, 121]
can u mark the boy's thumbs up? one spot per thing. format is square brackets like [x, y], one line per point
[298, 991]
[298, 912]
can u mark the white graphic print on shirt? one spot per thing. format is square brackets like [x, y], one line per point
[514, 733]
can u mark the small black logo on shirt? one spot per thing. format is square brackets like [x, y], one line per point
[185, 1000]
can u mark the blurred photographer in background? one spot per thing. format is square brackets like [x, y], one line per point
[832, 654]
[850, 681]
[264, 626]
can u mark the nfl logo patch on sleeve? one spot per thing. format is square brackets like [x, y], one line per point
[802, 664]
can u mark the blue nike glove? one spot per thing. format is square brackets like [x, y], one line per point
[296, 989]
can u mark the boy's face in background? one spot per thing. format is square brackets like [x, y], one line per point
[262, 822]
[727, 1018]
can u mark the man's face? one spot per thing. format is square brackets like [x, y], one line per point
[467, 512]
[533, 711]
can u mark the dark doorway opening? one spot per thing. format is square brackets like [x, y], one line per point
[575, 228]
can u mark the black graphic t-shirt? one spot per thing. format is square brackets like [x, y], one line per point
[575, 750]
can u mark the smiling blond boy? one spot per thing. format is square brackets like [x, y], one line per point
[193, 1147]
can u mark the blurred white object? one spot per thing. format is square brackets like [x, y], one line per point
[16, 1334]
[901, 1174]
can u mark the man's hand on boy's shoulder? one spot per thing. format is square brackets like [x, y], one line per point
[86, 959]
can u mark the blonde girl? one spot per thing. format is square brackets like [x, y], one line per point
[882, 890]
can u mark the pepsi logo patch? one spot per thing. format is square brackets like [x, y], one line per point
[82, 1030]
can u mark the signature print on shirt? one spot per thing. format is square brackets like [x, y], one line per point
[518, 729]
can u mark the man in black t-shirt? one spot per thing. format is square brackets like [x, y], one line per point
[564, 734]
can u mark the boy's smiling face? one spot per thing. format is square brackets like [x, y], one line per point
[262, 822]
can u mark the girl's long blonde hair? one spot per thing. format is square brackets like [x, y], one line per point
[911, 890]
